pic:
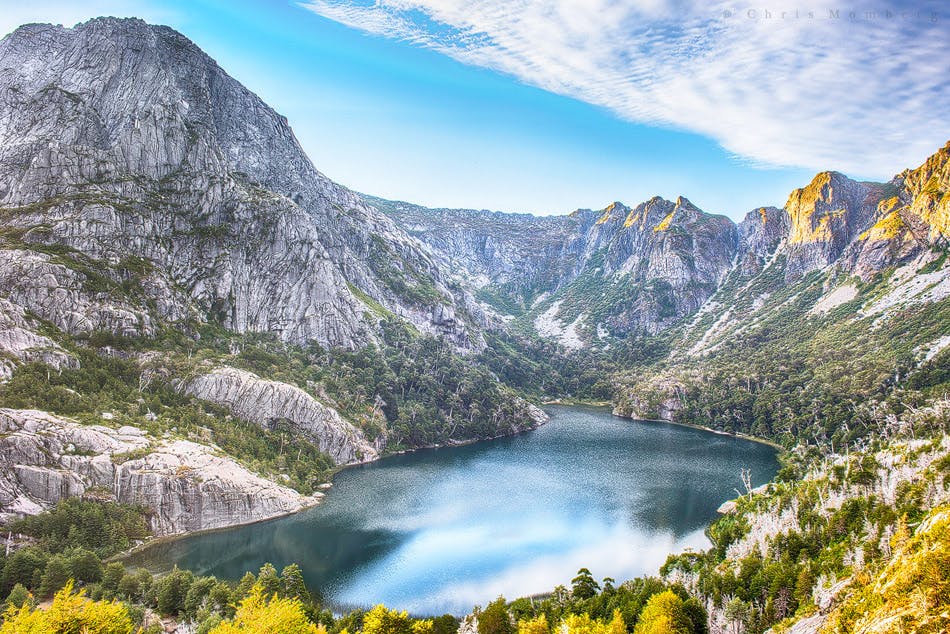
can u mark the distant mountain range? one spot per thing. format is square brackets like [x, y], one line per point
[591, 276]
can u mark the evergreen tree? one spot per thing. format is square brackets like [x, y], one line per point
[111, 576]
[494, 619]
[171, 591]
[583, 586]
[85, 565]
[55, 576]
[268, 580]
[18, 597]
[292, 583]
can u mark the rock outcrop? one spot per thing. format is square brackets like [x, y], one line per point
[186, 486]
[911, 217]
[824, 217]
[760, 234]
[267, 403]
[139, 184]
[20, 340]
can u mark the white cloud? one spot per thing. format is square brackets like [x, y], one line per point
[443, 569]
[866, 95]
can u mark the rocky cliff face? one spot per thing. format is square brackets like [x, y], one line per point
[187, 486]
[658, 262]
[268, 403]
[824, 217]
[122, 143]
[490, 248]
[593, 275]
[912, 216]
[760, 234]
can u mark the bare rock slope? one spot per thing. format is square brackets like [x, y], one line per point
[129, 157]
[187, 486]
[266, 403]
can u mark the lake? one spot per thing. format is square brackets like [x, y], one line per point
[442, 530]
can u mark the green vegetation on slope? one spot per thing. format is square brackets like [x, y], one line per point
[825, 528]
[787, 373]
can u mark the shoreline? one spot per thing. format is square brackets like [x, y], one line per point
[322, 489]
[571, 402]
[326, 486]
[718, 432]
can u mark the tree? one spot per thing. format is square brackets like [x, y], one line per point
[585, 624]
[85, 565]
[135, 585]
[220, 598]
[737, 611]
[664, 613]
[538, 625]
[21, 566]
[581, 624]
[381, 620]
[198, 593]
[259, 615]
[697, 615]
[268, 580]
[445, 624]
[616, 624]
[293, 585]
[583, 586]
[55, 576]
[171, 591]
[68, 613]
[18, 597]
[494, 619]
[244, 585]
[111, 576]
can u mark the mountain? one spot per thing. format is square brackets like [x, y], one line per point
[126, 143]
[586, 275]
[168, 249]
[589, 278]
[198, 324]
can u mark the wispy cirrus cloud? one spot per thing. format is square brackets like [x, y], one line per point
[861, 89]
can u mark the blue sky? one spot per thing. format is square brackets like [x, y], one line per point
[549, 106]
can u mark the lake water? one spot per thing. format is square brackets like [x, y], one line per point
[442, 530]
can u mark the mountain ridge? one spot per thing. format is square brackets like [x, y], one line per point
[168, 249]
[131, 124]
[854, 227]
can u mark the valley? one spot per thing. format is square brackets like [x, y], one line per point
[199, 330]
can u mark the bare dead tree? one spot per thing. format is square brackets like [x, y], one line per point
[746, 476]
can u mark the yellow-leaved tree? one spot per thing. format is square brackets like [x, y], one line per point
[537, 625]
[70, 612]
[258, 614]
[381, 620]
[664, 613]
[911, 593]
[584, 624]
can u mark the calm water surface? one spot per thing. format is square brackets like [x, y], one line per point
[442, 530]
